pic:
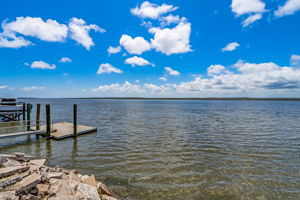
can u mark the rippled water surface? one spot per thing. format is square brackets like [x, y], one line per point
[180, 149]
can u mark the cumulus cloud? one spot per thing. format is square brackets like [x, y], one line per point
[42, 65]
[247, 79]
[215, 69]
[251, 19]
[289, 8]
[295, 60]
[46, 30]
[241, 7]
[108, 68]
[32, 88]
[113, 50]
[231, 46]
[136, 45]
[163, 78]
[138, 61]
[171, 71]
[132, 89]
[116, 87]
[254, 8]
[172, 40]
[79, 31]
[10, 40]
[170, 19]
[65, 59]
[150, 10]
[49, 30]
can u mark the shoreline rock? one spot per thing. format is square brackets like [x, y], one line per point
[24, 177]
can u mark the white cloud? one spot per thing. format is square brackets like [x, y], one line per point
[49, 30]
[150, 10]
[295, 60]
[170, 19]
[251, 19]
[80, 32]
[138, 61]
[215, 69]
[32, 88]
[163, 78]
[241, 7]
[136, 45]
[231, 46]
[10, 40]
[172, 41]
[42, 65]
[3, 87]
[128, 88]
[171, 71]
[252, 79]
[65, 59]
[108, 68]
[254, 8]
[116, 87]
[113, 50]
[249, 79]
[289, 8]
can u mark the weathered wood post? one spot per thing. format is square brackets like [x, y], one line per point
[48, 120]
[24, 111]
[28, 116]
[75, 119]
[38, 116]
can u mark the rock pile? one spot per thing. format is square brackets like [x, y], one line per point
[23, 177]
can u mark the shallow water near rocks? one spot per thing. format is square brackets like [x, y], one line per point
[151, 149]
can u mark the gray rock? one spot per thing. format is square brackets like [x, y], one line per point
[106, 197]
[12, 170]
[10, 195]
[87, 191]
[28, 183]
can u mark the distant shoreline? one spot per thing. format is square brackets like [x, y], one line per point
[208, 98]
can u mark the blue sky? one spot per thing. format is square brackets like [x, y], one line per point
[158, 48]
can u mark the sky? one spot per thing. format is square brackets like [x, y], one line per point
[169, 48]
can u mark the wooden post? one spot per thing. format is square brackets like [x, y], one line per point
[24, 111]
[75, 119]
[28, 116]
[48, 120]
[38, 116]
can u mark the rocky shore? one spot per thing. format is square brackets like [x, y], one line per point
[22, 177]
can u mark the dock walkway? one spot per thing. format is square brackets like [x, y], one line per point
[59, 131]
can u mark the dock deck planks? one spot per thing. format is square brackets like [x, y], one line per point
[65, 130]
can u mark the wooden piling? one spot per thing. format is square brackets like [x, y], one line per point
[75, 119]
[48, 121]
[24, 111]
[28, 116]
[38, 116]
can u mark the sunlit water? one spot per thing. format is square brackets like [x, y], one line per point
[180, 149]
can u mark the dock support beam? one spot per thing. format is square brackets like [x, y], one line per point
[28, 116]
[24, 111]
[75, 119]
[38, 117]
[48, 120]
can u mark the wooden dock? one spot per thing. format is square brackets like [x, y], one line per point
[24, 133]
[59, 131]
[63, 130]
[55, 131]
